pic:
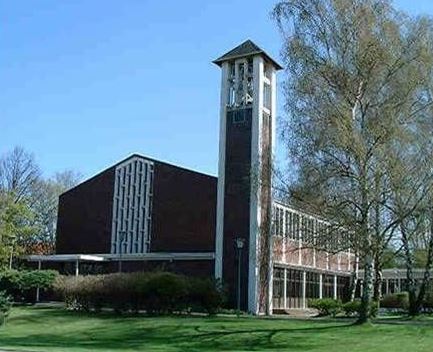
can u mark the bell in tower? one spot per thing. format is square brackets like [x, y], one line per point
[244, 205]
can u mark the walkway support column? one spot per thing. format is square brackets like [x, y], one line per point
[285, 288]
[304, 290]
[320, 286]
[335, 287]
[77, 267]
[37, 289]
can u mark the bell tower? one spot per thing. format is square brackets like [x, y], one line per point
[244, 205]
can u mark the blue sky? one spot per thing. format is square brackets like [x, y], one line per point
[85, 83]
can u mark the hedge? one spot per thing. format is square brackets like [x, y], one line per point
[5, 306]
[21, 284]
[428, 301]
[401, 301]
[153, 292]
[353, 308]
[329, 306]
[395, 301]
[326, 306]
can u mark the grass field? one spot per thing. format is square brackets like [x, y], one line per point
[53, 329]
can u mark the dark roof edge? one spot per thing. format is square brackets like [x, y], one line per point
[278, 67]
[257, 51]
[221, 59]
[168, 163]
[137, 155]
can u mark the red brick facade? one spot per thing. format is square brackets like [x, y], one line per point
[183, 215]
[290, 252]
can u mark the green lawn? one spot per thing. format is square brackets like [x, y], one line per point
[53, 329]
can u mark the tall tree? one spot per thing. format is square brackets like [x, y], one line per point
[18, 173]
[411, 197]
[15, 226]
[35, 201]
[44, 203]
[356, 70]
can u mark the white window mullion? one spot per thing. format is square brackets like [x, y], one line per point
[131, 206]
[121, 228]
[147, 207]
[140, 204]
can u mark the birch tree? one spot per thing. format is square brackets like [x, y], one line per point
[411, 203]
[354, 73]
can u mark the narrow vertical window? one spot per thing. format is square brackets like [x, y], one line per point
[132, 204]
[267, 96]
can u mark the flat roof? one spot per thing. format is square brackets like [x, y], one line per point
[398, 273]
[64, 258]
[124, 257]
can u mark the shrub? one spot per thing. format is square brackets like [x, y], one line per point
[326, 306]
[37, 278]
[80, 292]
[374, 309]
[395, 301]
[164, 293]
[10, 282]
[157, 293]
[206, 294]
[5, 306]
[352, 308]
[21, 284]
[428, 301]
[122, 291]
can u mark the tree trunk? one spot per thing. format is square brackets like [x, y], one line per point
[367, 290]
[11, 258]
[411, 286]
[377, 291]
[366, 250]
[354, 278]
[426, 277]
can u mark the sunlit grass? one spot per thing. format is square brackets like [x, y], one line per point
[53, 329]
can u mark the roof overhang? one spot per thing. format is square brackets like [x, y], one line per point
[283, 265]
[245, 50]
[162, 256]
[65, 258]
[397, 273]
[124, 257]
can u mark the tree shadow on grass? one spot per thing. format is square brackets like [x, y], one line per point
[404, 321]
[262, 339]
[151, 340]
[166, 334]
